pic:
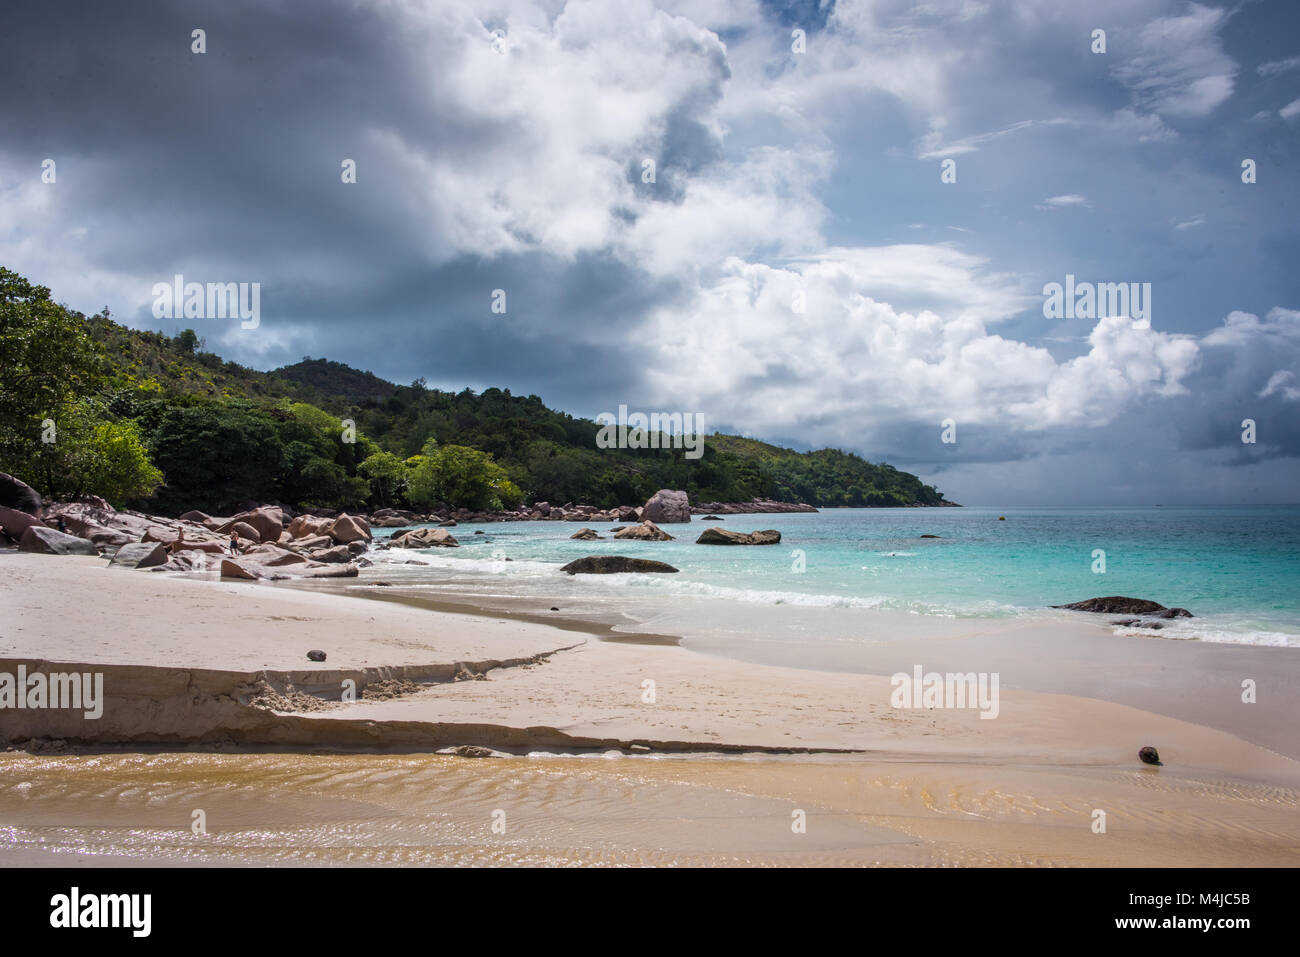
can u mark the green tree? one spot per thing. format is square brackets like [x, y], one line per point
[48, 361]
[215, 455]
[463, 478]
[387, 476]
[91, 455]
[329, 485]
[187, 341]
[120, 469]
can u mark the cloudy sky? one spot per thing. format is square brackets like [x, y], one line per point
[796, 268]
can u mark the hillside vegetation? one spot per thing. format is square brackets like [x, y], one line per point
[181, 429]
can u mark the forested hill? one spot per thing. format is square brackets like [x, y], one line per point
[322, 433]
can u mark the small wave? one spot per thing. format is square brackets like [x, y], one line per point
[763, 596]
[1224, 636]
[482, 566]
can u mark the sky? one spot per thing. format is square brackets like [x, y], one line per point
[817, 224]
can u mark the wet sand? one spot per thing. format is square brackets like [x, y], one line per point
[341, 810]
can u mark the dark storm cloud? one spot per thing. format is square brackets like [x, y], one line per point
[226, 167]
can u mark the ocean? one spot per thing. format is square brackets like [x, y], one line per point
[1236, 568]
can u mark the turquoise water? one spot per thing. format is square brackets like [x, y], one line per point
[1236, 568]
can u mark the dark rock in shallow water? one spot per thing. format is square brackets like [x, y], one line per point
[1119, 605]
[614, 564]
[931, 536]
[1150, 755]
[725, 536]
[647, 531]
[585, 534]
[711, 518]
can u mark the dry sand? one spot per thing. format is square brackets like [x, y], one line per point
[224, 664]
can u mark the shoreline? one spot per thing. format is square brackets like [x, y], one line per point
[1083, 657]
[217, 665]
[212, 703]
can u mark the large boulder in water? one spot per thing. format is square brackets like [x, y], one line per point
[586, 534]
[348, 528]
[51, 541]
[666, 506]
[425, 538]
[725, 536]
[17, 494]
[614, 564]
[1120, 605]
[647, 531]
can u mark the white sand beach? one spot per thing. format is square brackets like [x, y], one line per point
[222, 667]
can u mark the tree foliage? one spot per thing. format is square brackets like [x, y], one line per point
[462, 478]
[223, 435]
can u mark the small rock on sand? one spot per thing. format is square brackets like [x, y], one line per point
[472, 751]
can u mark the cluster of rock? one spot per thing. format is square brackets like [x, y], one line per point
[648, 531]
[752, 507]
[269, 544]
[667, 506]
[275, 543]
[422, 538]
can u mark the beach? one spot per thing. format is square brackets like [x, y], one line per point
[633, 750]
